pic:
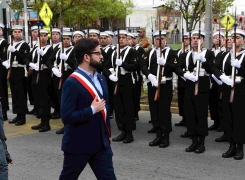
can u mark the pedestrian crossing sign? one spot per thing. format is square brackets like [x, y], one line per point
[228, 21]
[46, 14]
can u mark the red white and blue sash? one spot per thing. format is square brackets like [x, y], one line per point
[90, 88]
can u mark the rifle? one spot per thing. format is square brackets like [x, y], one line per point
[152, 38]
[159, 71]
[62, 62]
[11, 56]
[118, 70]
[233, 71]
[219, 38]
[51, 35]
[30, 71]
[88, 32]
[38, 56]
[198, 62]
[183, 46]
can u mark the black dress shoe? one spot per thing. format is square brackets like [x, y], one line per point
[200, 148]
[213, 127]
[129, 137]
[56, 116]
[13, 121]
[53, 113]
[38, 116]
[60, 131]
[181, 123]
[156, 141]
[120, 137]
[165, 142]
[221, 139]
[37, 127]
[230, 152]
[32, 111]
[5, 116]
[20, 122]
[239, 154]
[185, 135]
[193, 146]
[150, 121]
[152, 130]
[44, 128]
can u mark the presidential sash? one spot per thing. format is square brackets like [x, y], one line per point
[90, 88]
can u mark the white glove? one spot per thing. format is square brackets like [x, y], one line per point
[190, 76]
[56, 72]
[153, 80]
[31, 49]
[113, 78]
[161, 61]
[6, 64]
[235, 63]
[226, 80]
[217, 80]
[63, 56]
[33, 66]
[201, 58]
[40, 51]
[118, 62]
[11, 49]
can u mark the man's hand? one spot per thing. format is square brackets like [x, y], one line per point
[6, 64]
[63, 56]
[33, 66]
[226, 80]
[190, 76]
[153, 80]
[98, 105]
[11, 49]
[56, 72]
[40, 51]
[235, 63]
[118, 62]
[113, 78]
[201, 58]
[161, 61]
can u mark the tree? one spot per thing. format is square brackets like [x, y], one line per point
[17, 6]
[194, 10]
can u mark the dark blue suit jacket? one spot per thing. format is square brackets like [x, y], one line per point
[85, 133]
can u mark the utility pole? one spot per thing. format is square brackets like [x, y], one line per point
[208, 24]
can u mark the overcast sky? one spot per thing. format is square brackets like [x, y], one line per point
[240, 4]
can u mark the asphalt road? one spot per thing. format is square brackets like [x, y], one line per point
[37, 156]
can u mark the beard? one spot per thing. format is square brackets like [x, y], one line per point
[95, 64]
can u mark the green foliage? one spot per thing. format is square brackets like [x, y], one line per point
[80, 11]
[193, 10]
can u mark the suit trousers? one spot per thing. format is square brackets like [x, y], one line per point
[101, 164]
[196, 113]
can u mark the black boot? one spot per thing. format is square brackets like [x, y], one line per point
[5, 116]
[37, 127]
[221, 138]
[193, 146]
[157, 140]
[45, 127]
[239, 152]
[231, 151]
[56, 115]
[13, 121]
[129, 137]
[200, 145]
[8, 157]
[181, 123]
[165, 140]
[185, 135]
[60, 131]
[120, 137]
[21, 121]
[213, 127]
[152, 130]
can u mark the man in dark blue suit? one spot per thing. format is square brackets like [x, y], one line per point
[85, 113]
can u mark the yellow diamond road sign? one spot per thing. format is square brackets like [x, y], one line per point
[228, 21]
[46, 14]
